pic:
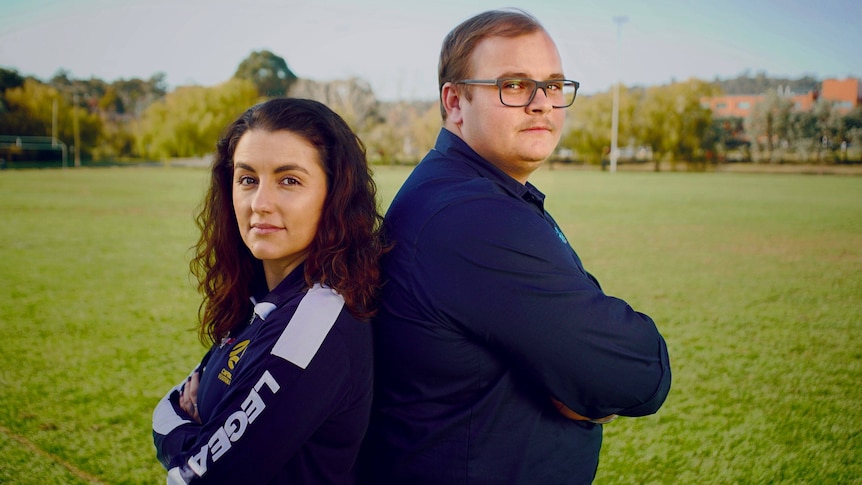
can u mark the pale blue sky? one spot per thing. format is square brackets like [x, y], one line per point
[394, 44]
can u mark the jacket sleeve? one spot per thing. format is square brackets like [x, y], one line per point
[173, 428]
[269, 412]
[519, 288]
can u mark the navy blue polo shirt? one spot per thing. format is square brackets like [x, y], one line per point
[487, 314]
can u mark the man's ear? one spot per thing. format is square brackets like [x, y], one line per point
[451, 99]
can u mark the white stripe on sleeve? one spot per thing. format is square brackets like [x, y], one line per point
[165, 419]
[312, 321]
[175, 477]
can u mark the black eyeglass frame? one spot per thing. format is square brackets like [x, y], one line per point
[543, 85]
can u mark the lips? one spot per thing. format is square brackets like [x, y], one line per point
[263, 228]
[539, 128]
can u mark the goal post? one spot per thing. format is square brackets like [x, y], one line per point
[15, 143]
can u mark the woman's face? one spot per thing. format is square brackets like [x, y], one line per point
[279, 187]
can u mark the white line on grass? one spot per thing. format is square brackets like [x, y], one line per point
[65, 464]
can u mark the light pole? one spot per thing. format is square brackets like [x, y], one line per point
[76, 130]
[54, 122]
[615, 116]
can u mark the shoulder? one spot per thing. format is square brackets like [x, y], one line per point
[474, 212]
[424, 197]
[320, 316]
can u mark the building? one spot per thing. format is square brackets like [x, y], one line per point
[846, 93]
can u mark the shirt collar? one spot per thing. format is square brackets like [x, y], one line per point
[452, 145]
[288, 287]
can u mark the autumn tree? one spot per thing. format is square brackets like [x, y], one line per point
[353, 99]
[853, 127]
[769, 122]
[652, 122]
[726, 134]
[830, 124]
[188, 121]
[268, 72]
[802, 135]
[694, 119]
[784, 133]
[422, 130]
[133, 96]
[29, 111]
[588, 127]
[405, 131]
[9, 78]
[589, 124]
[671, 120]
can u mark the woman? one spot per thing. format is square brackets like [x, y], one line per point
[287, 265]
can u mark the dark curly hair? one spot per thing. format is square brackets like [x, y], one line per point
[344, 253]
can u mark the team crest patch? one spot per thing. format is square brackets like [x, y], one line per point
[560, 234]
[236, 353]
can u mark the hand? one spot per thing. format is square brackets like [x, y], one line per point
[189, 397]
[565, 411]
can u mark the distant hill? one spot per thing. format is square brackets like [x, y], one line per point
[761, 83]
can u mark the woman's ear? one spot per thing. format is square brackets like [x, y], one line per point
[451, 99]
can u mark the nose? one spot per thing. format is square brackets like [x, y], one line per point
[261, 201]
[540, 103]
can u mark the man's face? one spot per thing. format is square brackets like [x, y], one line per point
[516, 140]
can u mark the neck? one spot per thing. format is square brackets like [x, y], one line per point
[275, 272]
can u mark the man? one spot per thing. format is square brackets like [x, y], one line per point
[497, 355]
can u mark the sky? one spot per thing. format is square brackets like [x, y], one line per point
[394, 44]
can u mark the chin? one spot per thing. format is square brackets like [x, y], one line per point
[262, 253]
[537, 157]
[538, 152]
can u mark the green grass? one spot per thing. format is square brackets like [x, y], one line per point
[755, 281]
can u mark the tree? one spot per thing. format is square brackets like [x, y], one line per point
[652, 120]
[404, 132]
[353, 99]
[853, 125]
[31, 109]
[268, 72]
[588, 132]
[691, 119]
[188, 121]
[589, 124]
[769, 122]
[853, 119]
[28, 109]
[830, 127]
[9, 79]
[671, 120]
[802, 134]
[725, 135]
[136, 94]
[761, 83]
[422, 130]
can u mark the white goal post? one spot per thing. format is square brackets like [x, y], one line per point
[34, 142]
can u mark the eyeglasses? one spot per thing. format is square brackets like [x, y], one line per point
[519, 92]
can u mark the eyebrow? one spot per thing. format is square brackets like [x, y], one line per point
[525, 75]
[283, 168]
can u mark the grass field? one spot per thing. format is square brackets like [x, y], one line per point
[755, 281]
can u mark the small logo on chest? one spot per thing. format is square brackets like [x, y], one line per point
[236, 353]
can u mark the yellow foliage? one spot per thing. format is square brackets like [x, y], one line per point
[188, 121]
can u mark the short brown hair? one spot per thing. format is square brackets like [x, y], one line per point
[459, 44]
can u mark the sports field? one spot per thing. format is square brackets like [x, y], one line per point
[755, 280]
